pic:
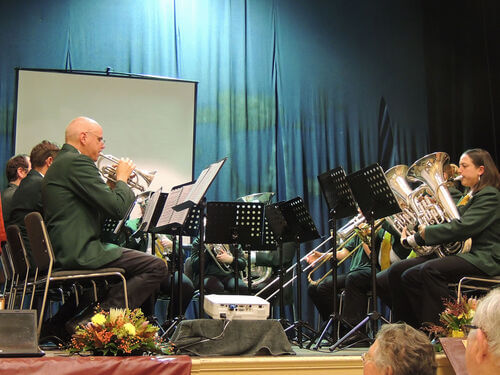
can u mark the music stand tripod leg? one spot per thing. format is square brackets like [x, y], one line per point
[174, 321]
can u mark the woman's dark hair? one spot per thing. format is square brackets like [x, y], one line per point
[491, 176]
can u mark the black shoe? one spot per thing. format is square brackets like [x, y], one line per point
[81, 319]
[55, 332]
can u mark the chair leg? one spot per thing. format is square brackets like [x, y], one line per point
[42, 308]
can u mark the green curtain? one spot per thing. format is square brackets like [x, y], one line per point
[287, 88]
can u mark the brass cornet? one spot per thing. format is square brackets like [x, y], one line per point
[109, 172]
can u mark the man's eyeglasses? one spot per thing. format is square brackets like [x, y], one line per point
[365, 357]
[470, 326]
[99, 139]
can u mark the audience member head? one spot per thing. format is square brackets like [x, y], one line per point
[482, 355]
[42, 155]
[478, 170]
[400, 350]
[17, 168]
[85, 135]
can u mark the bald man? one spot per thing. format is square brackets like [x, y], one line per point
[76, 201]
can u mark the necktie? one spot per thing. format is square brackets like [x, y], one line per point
[464, 200]
[385, 251]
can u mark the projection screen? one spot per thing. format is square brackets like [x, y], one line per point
[147, 119]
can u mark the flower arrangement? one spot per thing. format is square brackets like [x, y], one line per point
[118, 332]
[458, 313]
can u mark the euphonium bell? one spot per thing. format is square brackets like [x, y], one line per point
[439, 207]
[109, 172]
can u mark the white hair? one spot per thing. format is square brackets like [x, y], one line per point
[487, 318]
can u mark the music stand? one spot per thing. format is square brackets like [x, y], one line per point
[290, 221]
[235, 223]
[182, 214]
[376, 200]
[341, 204]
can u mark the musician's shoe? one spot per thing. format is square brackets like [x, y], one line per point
[81, 318]
[54, 332]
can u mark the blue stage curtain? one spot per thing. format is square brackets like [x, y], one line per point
[287, 88]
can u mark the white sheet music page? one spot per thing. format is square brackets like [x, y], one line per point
[203, 182]
[168, 214]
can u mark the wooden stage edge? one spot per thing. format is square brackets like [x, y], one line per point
[303, 365]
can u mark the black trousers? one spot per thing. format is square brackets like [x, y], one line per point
[356, 284]
[220, 284]
[427, 284]
[144, 274]
[415, 288]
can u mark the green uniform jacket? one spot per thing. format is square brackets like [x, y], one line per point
[75, 202]
[211, 268]
[480, 220]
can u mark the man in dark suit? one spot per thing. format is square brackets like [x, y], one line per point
[76, 202]
[28, 196]
[16, 169]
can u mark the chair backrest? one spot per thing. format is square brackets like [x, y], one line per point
[17, 250]
[41, 247]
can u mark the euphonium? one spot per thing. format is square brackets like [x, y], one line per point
[396, 177]
[432, 202]
[109, 172]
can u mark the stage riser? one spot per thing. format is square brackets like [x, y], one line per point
[313, 365]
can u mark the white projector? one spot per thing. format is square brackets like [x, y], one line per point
[237, 307]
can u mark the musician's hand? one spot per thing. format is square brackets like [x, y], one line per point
[312, 258]
[166, 243]
[421, 231]
[124, 169]
[225, 257]
[403, 239]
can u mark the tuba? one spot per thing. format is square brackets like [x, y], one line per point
[431, 201]
[107, 166]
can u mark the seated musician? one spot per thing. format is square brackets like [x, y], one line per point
[419, 285]
[76, 201]
[219, 268]
[357, 281]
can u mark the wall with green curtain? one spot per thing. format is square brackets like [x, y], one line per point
[287, 88]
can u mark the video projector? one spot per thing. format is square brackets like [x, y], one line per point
[237, 307]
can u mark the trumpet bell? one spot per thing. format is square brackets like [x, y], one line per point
[139, 180]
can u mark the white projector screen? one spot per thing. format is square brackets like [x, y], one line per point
[149, 120]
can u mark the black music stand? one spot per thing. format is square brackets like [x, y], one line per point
[290, 221]
[376, 200]
[236, 223]
[181, 213]
[341, 204]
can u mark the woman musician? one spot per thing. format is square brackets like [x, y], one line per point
[219, 268]
[419, 285]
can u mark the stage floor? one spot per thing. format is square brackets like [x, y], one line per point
[322, 361]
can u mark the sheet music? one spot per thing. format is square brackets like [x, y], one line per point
[169, 215]
[149, 211]
[203, 182]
